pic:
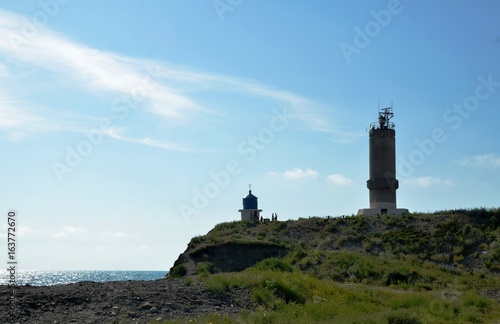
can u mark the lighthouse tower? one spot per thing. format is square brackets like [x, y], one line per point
[383, 183]
[250, 211]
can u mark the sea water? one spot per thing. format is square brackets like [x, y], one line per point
[50, 278]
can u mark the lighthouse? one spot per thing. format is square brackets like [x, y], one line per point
[250, 211]
[383, 183]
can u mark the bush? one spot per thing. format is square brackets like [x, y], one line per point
[298, 254]
[477, 301]
[402, 319]
[219, 284]
[178, 271]
[397, 277]
[285, 292]
[261, 295]
[204, 269]
[274, 264]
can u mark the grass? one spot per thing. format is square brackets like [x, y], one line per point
[204, 269]
[454, 237]
[282, 296]
[419, 268]
[319, 302]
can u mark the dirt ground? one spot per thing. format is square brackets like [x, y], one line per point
[118, 302]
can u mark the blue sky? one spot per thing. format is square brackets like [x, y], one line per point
[128, 127]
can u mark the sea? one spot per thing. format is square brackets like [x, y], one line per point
[51, 278]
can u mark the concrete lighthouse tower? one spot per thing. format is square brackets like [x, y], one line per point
[383, 183]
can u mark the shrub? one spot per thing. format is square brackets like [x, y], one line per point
[261, 295]
[298, 255]
[195, 241]
[285, 292]
[178, 271]
[397, 277]
[274, 264]
[403, 318]
[495, 221]
[479, 302]
[204, 268]
[218, 284]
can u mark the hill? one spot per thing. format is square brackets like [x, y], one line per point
[418, 268]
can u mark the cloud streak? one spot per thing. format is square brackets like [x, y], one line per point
[481, 161]
[89, 68]
[428, 181]
[298, 173]
[20, 122]
[67, 231]
[340, 180]
[164, 90]
[116, 133]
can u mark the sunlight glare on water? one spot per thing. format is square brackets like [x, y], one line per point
[50, 278]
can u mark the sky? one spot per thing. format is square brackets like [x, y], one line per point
[128, 127]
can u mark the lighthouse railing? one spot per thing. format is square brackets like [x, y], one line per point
[387, 125]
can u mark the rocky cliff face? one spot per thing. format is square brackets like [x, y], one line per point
[225, 257]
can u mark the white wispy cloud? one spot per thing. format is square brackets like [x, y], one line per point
[19, 122]
[67, 231]
[116, 133]
[24, 231]
[107, 234]
[298, 173]
[481, 161]
[428, 181]
[21, 231]
[159, 88]
[340, 180]
[92, 69]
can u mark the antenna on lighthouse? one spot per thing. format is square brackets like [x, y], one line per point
[384, 117]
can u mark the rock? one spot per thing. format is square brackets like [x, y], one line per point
[146, 305]
[109, 302]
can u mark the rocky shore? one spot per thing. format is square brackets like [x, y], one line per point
[119, 302]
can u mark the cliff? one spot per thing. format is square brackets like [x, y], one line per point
[442, 267]
[460, 239]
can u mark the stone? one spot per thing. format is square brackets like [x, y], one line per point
[146, 305]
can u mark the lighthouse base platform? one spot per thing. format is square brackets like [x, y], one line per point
[382, 211]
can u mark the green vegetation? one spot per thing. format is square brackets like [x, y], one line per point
[178, 271]
[284, 297]
[418, 268]
[204, 269]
